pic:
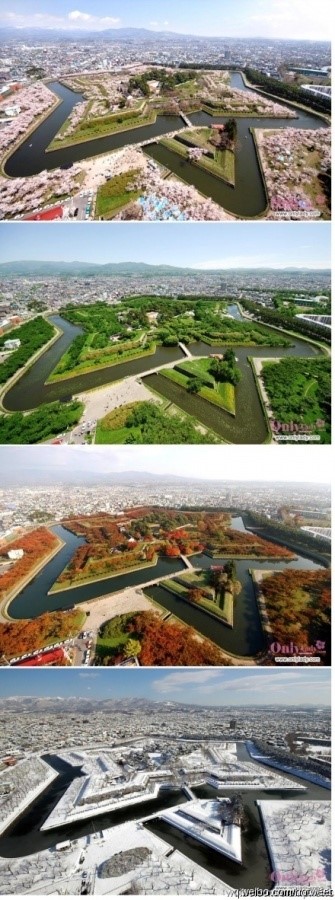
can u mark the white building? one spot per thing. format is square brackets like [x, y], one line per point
[12, 344]
[15, 554]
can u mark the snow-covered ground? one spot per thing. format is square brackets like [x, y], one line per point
[202, 820]
[20, 785]
[296, 771]
[81, 867]
[299, 845]
[79, 802]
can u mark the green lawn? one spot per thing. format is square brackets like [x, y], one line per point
[115, 194]
[104, 361]
[113, 636]
[225, 612]
[222, 395]
[102, 126]
[223, 164]
[149, 423]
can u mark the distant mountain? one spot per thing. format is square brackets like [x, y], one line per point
[41, 268]
[40, 475]
[140, 35]
[84, 705]
[44, 269]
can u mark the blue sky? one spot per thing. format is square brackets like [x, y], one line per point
[242, 18]
[217, 687]
[206, 246]
[235, 463]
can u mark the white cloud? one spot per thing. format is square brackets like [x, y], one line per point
[206, 683]
[93, 21]
[293, 19]
[81, 20]
[159, 26]
[89, 675]
[76, 16]
[178, 679]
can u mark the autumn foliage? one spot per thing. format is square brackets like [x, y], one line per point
[171, 644]
[25, 636]
[241, 543]
[117, 543]
[298, 605]
[36, 544]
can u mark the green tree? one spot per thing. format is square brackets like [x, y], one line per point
[194, 385]
[132, 647]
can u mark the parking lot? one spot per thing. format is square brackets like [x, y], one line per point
[79, 207]
[83, 650]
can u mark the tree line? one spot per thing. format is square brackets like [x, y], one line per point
[33, 335]
[292, 92]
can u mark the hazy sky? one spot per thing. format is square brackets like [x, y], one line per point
[217, 687]
[255, 244]
[243, 18]
[281, 463]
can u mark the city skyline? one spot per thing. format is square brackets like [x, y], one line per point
[212, 687]
[278, 245]
[279, 19]
[226, 464]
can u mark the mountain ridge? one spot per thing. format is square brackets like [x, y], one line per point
[77, 268]
[55, 705]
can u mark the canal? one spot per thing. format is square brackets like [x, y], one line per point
[33, 157]
[246, 199]
[24, 838]
[247, 426]
[35, 600]
[255, 870]
[31, 390]
[245, 639]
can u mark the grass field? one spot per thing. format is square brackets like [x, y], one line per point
[115, 638]
[101, 126]
[220, 394]
[115, 194]
[223, 611]
[223, 164]
[102, 362]
[154, 425]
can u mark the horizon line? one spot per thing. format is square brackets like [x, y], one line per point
[116, 28]
[171, 265]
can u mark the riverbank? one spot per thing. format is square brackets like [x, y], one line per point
[317, 556]
[225, 172]
[69, 586]
[6, 602]
[226, 553]
[22, 371]
[34, 125]
[284, 101]
[290, 769]
[226, 401]
[87, 370]
[227, 614]
[257, 576]
[88, 137]
[256, 367]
